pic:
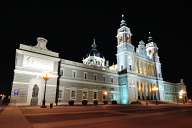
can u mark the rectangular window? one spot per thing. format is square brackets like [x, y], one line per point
[74, 74]
[111, 80]
[61, 72]
[95, 77]
[104, 79]
[112, 89]
[85, 94]
[73, 95]
[60, 93]
[94, 95]
[111, 96]
[85, 75]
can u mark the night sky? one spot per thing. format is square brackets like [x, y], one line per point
[71, 27]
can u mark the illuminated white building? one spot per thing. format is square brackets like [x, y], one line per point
[134, 77]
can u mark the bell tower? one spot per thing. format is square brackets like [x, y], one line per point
[124, 47]
[152, 53]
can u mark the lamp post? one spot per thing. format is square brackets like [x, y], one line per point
[45, 77]
[105, 95]
[181, 93]
[155, 89]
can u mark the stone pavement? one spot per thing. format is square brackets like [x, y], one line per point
[12, 117]
[24, 117]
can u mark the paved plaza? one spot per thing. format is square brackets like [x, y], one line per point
[113, 116]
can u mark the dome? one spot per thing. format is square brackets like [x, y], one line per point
[94, 57]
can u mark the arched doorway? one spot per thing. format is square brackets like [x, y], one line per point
[35, 92]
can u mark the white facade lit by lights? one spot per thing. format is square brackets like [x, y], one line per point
[136, 76]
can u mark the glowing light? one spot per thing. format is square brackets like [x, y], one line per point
[45, 76]
[180, 96]
[105, 93]
[181, 92]
[155, 88]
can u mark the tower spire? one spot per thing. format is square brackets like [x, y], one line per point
[123, 22]
[150, 39]
[94, 44]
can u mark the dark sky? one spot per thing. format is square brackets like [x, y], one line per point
[70, 28]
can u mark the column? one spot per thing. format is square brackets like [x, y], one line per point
[138, 70]
[145, 68]
[138, 90]
[146, 91]
[157, 93]
[151, 86]
[141, 85]
[153, 91]
[143, 90]
[151, 70]
[149, 90]
[142, 65]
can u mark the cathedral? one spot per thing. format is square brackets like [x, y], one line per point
[136, 76]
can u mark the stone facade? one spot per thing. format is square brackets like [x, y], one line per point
[86, 80]
[30, 63]
[135, 76]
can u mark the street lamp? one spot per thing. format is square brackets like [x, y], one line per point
[105, 93]
[181, 93]
[155, 89]
[45, 77]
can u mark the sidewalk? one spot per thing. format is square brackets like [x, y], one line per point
[12, 117]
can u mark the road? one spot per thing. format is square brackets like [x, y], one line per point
[108, 116]
[111, 117]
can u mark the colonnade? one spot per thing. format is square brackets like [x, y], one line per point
[146, 92]
[145, 68]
